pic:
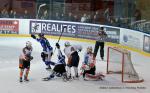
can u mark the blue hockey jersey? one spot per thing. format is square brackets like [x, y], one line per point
[45, 44]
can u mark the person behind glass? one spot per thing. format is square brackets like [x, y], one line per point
[45, 15]
[26, 15]
[57, 16]
[11, 14]
[4, 13]
[62, 17]
[84, 18]
[70, 17]
[76, 19]
[100, 42]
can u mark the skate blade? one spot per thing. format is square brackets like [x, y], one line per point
[49, 70]
[45, 79]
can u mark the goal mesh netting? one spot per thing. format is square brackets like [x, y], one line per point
[119, 62]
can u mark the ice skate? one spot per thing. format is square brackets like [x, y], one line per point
[20, 79]
[48, 68]
[25, 78]
[46, 79]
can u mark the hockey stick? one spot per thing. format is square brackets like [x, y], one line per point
[61, 33]
[37, 16]
[60, 36]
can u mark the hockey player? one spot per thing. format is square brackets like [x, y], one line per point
[47, 49]
[24, 61]
[71, 51]
[88, 66]
[59, 68]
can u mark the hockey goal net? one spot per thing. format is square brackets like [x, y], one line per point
[119, 62]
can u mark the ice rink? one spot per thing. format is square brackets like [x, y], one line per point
[11, 47]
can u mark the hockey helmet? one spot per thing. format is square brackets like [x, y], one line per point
[102, 28]
[67, 43]
[28, 44]
[80, 48]
[89, 49]
[41, 35]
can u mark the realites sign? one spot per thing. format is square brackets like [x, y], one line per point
[9, 26]
[52, 28]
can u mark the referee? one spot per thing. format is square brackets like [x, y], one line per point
[100, 42]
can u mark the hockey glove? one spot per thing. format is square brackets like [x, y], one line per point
[52, 53]
[33, 36]
[31, 58]
[57, 45]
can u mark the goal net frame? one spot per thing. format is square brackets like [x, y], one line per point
[123, 53]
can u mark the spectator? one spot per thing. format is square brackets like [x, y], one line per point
[15, 14]
[84, 18]
[97, 17]
[94, 19]
[0, 13]
[137, 15]
[62, 17]
[57, 16]
[11, 13]
[107, 14]
[117, 22]
[70, 17]
[76, 19]
[89, 19]
[4, 13]
[26, 15]
[45, 15]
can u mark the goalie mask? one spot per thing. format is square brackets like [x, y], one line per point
[89, 49]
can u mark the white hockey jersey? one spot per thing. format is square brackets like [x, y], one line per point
[26, 53]
[70, 49]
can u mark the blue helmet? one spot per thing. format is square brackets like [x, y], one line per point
[41, 35]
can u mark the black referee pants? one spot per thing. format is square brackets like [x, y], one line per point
[97, 45]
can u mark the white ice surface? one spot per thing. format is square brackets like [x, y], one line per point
[10, 49]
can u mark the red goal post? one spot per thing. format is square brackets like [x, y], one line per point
[119, 62]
